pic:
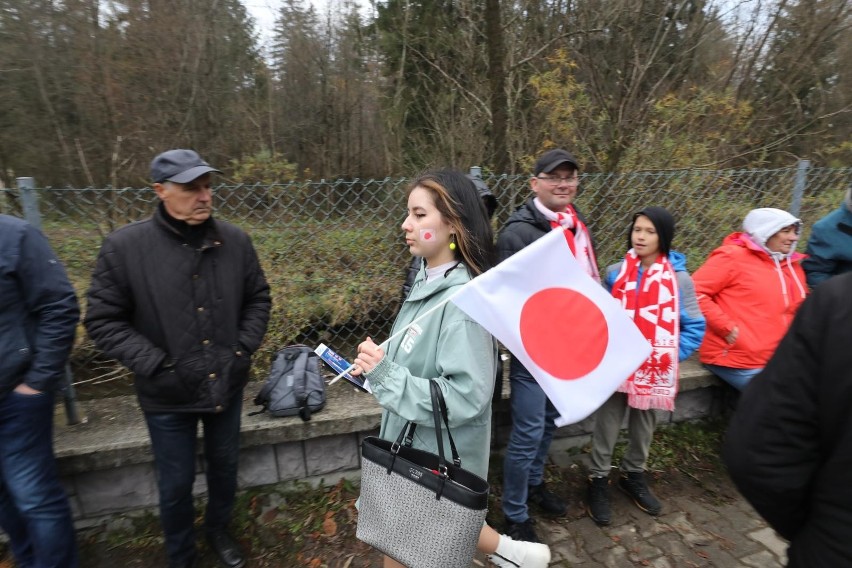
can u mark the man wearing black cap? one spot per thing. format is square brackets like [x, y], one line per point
[180, 299]
[554, 183]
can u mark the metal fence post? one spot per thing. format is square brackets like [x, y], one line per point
[799, 188]
[476, 171]
[29, 201]
[70, 396]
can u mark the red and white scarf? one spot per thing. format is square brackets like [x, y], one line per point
[655, 310]
[578, 237]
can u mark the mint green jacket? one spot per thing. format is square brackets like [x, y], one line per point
[454, 350]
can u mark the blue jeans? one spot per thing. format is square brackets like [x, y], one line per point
[533, 423]
[737, 378]
[173, 440]
[34, 509]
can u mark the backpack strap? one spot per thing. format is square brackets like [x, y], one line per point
[262, 398]
[299, 367]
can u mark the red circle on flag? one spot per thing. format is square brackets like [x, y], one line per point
[564, 332]
[427, 236]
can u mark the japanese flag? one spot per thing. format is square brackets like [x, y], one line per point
[564, 327]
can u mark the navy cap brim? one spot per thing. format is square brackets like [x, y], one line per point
[191, 174]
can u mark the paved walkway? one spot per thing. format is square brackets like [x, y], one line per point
[693, 534]
[705, 522]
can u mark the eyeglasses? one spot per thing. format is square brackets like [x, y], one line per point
[557, 180]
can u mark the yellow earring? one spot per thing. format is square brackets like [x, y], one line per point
[453, 241]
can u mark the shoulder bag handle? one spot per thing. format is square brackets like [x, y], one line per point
[439, 414]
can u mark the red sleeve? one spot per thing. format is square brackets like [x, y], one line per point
[711, 279]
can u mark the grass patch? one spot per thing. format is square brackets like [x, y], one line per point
[690, 447]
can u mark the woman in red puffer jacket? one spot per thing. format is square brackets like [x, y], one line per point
[749, 289]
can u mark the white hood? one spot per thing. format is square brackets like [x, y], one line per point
[762, 223]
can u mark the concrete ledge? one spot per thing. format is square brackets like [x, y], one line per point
[114, 433]
[107, 466]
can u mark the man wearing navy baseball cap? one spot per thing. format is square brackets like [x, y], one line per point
[182, 181]
[181, 300]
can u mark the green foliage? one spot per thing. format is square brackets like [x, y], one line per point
[328, 276]
[569, 110]
[693, 447]
[264, 167]
[688, 446]
[689, 128]
[693, 129]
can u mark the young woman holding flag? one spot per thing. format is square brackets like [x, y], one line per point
[448, 227]
[653, 286]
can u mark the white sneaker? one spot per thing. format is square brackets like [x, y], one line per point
[520, 554]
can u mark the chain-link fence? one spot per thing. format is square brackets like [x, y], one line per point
[335, 258]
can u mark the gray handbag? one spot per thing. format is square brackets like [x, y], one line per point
[415, 506]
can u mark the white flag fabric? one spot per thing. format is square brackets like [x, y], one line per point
[565, 328]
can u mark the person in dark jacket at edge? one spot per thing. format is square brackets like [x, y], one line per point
[181, 300]
[555, 182]
[789, 444]
[829, 249]
[38, 319]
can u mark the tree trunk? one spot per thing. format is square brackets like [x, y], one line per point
[497, 80]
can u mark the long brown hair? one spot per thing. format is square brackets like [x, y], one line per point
[458, 201]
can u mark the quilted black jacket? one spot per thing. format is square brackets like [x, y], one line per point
[184, 319]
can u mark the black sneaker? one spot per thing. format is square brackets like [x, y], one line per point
[522, 531]
[597, 500]
[633, 483]
[550, 503]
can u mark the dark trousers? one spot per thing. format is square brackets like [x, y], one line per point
[533, 424]
[34, 509]
[173, 439]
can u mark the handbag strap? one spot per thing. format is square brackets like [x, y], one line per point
[438, 396]
[439, 414]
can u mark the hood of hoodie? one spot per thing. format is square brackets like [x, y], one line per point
[678, 260]
[761, 224]
[456, 276]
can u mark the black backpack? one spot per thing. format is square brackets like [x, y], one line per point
[295, 385]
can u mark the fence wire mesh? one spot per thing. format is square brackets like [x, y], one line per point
[335, 258]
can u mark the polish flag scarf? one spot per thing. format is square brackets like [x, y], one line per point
[656, 312]
[578, 236]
